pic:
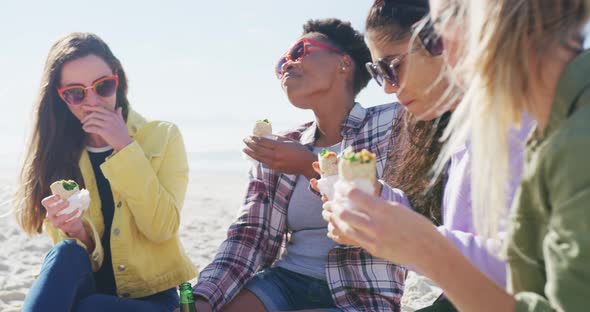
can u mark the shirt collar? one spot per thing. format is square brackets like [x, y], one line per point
[355, 118]
[573, 81]
[353, 122]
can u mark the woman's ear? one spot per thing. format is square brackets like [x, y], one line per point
[346, 63]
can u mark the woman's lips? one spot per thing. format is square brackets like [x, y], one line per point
[288, 76]
[407, 103]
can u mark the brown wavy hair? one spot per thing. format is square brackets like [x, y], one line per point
[415, 148]
[415, 144]
[57, 139]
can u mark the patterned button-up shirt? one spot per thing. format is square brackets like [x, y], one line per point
[357, 280]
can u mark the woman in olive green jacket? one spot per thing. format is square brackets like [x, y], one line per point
[517, 56]
[123, 253]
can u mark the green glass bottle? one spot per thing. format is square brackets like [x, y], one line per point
[187, 300]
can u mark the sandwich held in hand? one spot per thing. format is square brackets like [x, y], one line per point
[328, 162]
[262, 128]
[356, 170]
[359, 167]
[69, 190]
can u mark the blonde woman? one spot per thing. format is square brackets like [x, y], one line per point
[519, 56]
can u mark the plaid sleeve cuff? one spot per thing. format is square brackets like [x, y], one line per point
[210, 292]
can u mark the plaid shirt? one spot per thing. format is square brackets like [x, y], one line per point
[357, 280]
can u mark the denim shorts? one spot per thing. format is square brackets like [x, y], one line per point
[283, 290]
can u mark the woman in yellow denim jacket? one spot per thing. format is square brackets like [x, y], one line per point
[123, 253]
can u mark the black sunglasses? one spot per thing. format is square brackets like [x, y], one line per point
[428, 37]
[386, 70]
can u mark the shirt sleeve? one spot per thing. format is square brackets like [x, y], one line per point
[395, 195]
[154, 198]
[481, 252]
[566, 245]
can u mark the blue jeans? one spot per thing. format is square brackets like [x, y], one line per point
[283, 290]
[66, 283]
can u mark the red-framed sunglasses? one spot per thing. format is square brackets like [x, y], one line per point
[299, 50]
[104, 87]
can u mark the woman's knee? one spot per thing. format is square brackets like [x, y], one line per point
[70, 252]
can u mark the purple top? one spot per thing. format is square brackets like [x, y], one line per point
[458, 224]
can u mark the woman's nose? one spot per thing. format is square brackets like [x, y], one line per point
[287, 66]
[91, 98]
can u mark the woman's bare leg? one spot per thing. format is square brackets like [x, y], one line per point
[245, 301]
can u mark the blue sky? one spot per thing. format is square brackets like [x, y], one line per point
[205, 65]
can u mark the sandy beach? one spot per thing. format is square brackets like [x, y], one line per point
[211, 204]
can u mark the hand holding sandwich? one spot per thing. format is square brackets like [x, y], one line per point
[109, 125]
[54, 204]
[283, 155]
[62, 216]
[72, 227]
[371, 223]
[355, 170]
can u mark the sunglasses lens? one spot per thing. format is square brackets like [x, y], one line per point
[295, 54]
[430, 39]
[106, 87]
[74, 96]
[297, 51]
[435, 46]
[279, 69]
[389, 71]
[372, 69]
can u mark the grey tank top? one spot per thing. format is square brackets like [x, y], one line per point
[307, 250]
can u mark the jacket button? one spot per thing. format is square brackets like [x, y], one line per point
[116, 232]
[121, 268]
[119, 204]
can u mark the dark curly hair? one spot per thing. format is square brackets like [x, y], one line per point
[347, 39]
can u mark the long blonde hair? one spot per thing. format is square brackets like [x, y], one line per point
[495, 62]
[57, 138]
